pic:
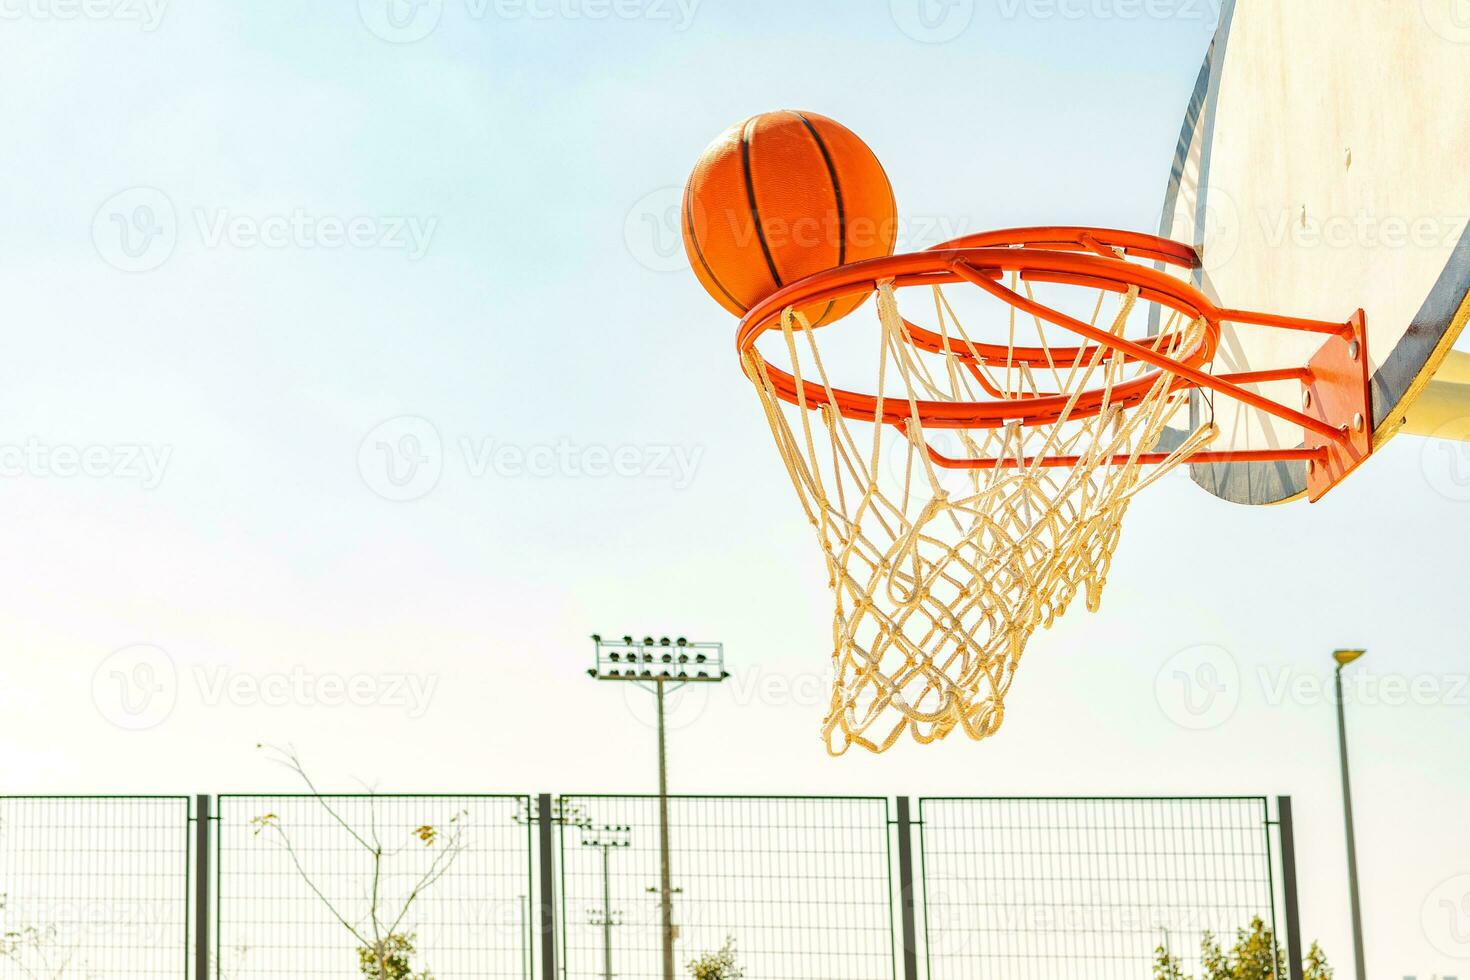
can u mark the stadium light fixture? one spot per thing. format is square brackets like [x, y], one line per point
[661, 671]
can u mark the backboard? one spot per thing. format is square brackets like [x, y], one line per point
[1322, 168]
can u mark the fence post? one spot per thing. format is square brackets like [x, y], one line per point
[906, 890]
[548, 880]
[1288, 887]
[203, 887]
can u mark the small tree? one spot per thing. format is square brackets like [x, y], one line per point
[232, 965]
[719, 965]
[389, 959]
[1316, 967]
[1213, 959]
[40, 952]
[1255, 956]
[384, 949]
[1167, 967]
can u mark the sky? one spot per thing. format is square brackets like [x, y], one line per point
[354, 376]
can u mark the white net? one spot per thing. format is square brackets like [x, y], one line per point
[941, 574]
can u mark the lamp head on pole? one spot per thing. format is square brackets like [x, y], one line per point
[663, 660]
[1345, 657]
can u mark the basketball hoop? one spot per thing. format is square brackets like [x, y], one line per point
[1058, 419]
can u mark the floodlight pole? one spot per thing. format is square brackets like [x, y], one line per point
[1343, 658]
[658, 664]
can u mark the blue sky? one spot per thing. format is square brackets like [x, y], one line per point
[512, 299]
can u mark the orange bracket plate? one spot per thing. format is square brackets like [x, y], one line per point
[1339, 395]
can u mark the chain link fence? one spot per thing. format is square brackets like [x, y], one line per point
[94, 887]
[802, 886]
[475, 886]
[1051, 889]
[347, 886]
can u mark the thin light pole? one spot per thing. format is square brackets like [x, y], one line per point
[606, 839]
[661, 666]
[607, 970]
[665, 874]
[1343, 658]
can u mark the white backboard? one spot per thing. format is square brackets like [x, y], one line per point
[1324, 166]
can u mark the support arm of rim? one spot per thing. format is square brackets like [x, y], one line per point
[1164, 362]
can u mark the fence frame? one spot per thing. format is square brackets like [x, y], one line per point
[1287, 853]
[186, 826]
[200, 907]
[545, 819]
[218, 842]
[1286, 833]
[888, 824]
[907, 903]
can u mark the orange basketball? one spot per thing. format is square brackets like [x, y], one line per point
[782, 196]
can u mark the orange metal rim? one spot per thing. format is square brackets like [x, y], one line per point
[1085, 257]
[947, 266]
[1101, 241]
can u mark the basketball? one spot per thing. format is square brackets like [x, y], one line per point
[782, 196]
